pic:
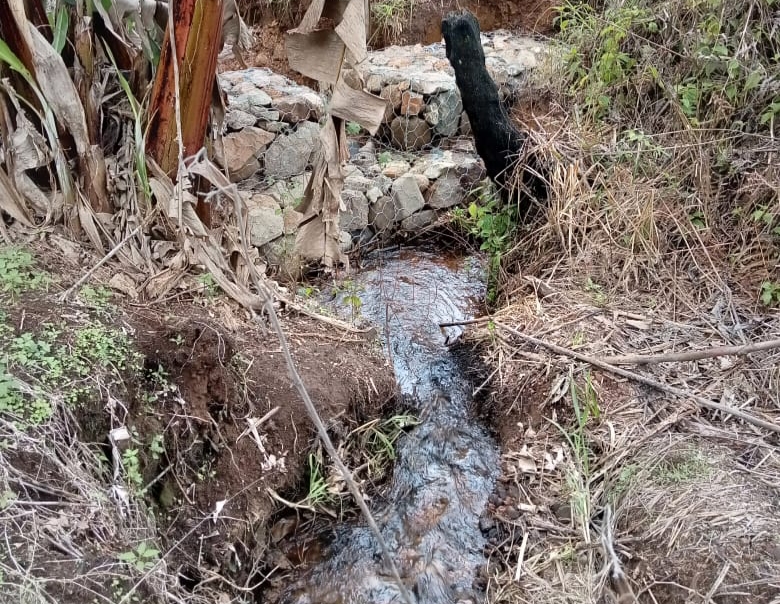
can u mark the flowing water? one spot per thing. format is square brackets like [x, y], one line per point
[445, 468]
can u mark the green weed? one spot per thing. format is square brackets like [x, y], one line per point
[687, 467]
[18, 273]
[493, 225]
[142, 558]
[770, 293]
[131, 466]
[353, 128]
[374, 443]
[98, 298]
[318, 493]
[208, 286]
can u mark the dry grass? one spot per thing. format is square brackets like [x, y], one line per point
[63, 530]
[659, 234]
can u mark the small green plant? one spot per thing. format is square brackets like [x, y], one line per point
[131, 465]
[352, 298]
[389, 17]
[384, 158]
[686, 467]
[697, 219]
[157, 446]
[142, 558]
[318, 493]
[98, 297]
[353, 128]
[492, 224]
[593, 288]
[375, 441]
[770, 293]
[18, 273]
[208, 285]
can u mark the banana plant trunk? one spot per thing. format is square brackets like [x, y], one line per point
[196, 26]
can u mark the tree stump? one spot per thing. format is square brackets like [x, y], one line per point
[499, 143]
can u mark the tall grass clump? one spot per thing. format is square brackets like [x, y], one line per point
[664, 144]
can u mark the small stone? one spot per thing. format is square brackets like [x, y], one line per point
[238, 119]
[290, 154]
[410, 133]
[358, 182]
[445, 108]
[246, 101]
[465, 125]
[275, 127]
[374, 82]
[418, 221]
[263, 114]
[412, 103]
[431, 83]
[299, 108]
[407, 196]
[241, 150]
[395, 168]
[486, 523]
[393, 97]
[265, 225]
[373, 194]
[345, 241]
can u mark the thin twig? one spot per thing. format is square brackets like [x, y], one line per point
[68, 292]
[678, 392]
[693, 355]
[323, 434]
[465, 322]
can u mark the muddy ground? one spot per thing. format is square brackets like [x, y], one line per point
[202, 372]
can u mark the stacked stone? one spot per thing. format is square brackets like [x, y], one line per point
[272, 125]
[418, 83]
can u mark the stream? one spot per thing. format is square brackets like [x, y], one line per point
[446, 467]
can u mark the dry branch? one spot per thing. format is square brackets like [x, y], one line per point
[694, 355]
[678, 392]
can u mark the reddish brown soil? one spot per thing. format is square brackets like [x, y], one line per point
[226, 369]
[526, 16]
[422, 27]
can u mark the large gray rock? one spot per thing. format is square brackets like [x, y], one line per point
[281, 255]
[418, 221]
[382, 214]
[265, 225]
[358, 182]
[354, 216]
[410, 132]
[236, 119]
[241, 150]
[407, 196]
[290, 153]
[250, 100]
[289, 193]
[443, 112]
[446, 192]
[299, 106]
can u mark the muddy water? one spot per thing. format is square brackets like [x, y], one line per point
[446, 466]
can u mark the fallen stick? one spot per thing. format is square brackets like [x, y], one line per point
[700, 400]
[465, 322]
[694, 355]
